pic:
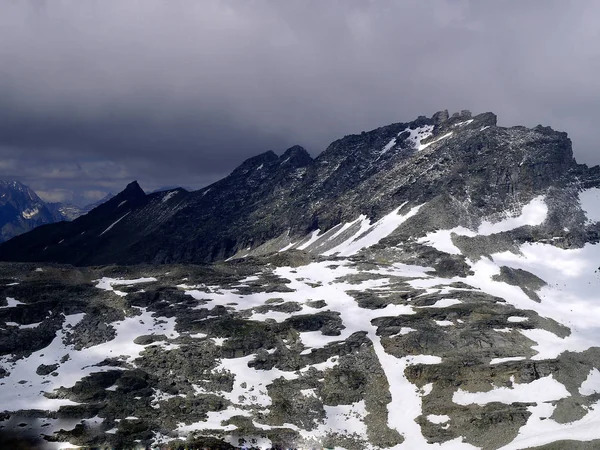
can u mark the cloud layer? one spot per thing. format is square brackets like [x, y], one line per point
[95, 93]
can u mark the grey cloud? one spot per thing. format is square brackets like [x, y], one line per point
[182, 91]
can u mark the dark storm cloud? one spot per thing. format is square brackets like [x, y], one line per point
[93, 94]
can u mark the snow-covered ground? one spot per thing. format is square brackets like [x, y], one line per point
[571, 298]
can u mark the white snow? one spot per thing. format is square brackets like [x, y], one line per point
[346, 419]
[313, 237]
[168, 196]
[544, 389]
[30, 213]
[287, 247]
[388, 146]
[592, 383]
[31, 325]
[403, 331]
[533, 213]
[438, 419]
[213, 421]
[570, 297]
[443, 323]
[122, 203]
[114, 223]
[508, 359]
[444, 303]
[541, 429]
[250, 278]
[418, 134]
[517, 319]
[466, 122]
[107, 283]
[424, 146]
[198, 335]
[11, 303]
[371, 234]
[590, 204]
[81, 363]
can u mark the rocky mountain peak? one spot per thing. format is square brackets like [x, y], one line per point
[133, 190]
[254, 163]
[440, 116]
[296, 156]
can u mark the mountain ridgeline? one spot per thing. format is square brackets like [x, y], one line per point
[457, 168]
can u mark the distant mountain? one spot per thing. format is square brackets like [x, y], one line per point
[461, 168]
[21, 210]
[86, 209]
[68, 212]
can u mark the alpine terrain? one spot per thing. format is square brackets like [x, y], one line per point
[425, 285]
[22, 210]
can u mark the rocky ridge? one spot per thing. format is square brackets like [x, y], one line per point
[464, 166]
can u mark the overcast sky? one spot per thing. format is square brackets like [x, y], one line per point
[94, 94]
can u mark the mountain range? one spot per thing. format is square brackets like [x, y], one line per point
[426, 285]
[460, 167]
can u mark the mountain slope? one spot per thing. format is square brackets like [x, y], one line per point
[459, 163]
[21, 210]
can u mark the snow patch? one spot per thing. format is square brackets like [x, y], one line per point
[388, 146]
[11, 303]
[438, 419]
[533, 213]
[503, 360]
[313, 237]
[590, 204]
[168, 196]
[114, 223]
[592, 383]
[424, 146]
[369, 235]
[30, 213]
[466, 122]
[544, 389]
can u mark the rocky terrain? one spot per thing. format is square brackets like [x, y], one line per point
[440, 290]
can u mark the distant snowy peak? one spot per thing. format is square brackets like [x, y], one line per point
[21, 210]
